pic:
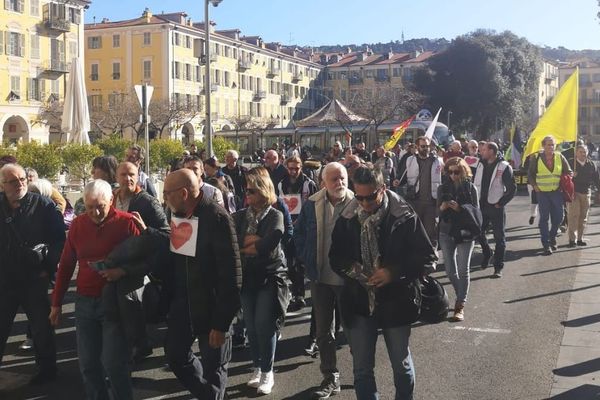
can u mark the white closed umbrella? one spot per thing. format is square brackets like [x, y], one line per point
[76, 115]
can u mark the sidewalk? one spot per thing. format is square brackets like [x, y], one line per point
[577, 373]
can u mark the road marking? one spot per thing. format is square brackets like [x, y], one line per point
[169, 396]
[484, 330]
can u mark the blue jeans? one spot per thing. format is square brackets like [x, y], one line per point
[457, 259]
[362, 336]
[103, 351]
[497, 218]
[551, 207]
[260, 314]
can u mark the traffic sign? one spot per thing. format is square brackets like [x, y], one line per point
[140, 95]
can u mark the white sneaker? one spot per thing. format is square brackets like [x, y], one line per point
[255, 378]
[266, 383]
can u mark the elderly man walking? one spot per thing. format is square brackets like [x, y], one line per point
[312, 236]
[203, 281]
[29, 221]
[544, 175]
[102, 346]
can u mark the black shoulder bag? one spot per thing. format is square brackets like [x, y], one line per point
[33, 256]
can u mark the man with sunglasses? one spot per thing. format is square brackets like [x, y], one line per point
[26, 220]
[295, 189]
[312, 236]
[381, 249]
[423, 177]
[495, 182]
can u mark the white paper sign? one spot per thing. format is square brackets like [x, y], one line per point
[294, 203]
[184, 234]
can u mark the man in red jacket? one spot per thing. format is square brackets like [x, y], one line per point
[101, 343]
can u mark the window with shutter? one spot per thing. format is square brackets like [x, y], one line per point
[1, 42]
[21, 6]
[42, 89]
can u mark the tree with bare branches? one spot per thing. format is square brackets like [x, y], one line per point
[173, 114]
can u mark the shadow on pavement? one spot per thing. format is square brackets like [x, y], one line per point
[579, 369]
[583, 392]
[583, 321]
[539, 296]
[559, 269]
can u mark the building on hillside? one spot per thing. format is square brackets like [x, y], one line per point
[250, 79]
[354, 73]
[589, 98]
[38, 38]
[547, 88]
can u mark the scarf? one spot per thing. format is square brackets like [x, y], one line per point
[253, 219]
[369, 245]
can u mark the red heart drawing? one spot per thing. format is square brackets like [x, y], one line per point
[292, 202]
[180, 234]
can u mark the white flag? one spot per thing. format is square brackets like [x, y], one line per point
[431, 129]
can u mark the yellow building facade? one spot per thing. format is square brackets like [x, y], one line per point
[250, 79]
[347, 76]
[38, 38]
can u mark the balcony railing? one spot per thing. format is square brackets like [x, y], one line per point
[273, 72]
[285, 98]
[213, 88]
[589, 101]
[244, 64]
[58, 24]
[260, 94]
[297, 76]
[55, 66]
[355, 80]
[382, 78]
[213, 58]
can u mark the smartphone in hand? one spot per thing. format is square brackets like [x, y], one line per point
[98, 265]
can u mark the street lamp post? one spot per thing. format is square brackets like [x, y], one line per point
[207, 125]
[448, 119]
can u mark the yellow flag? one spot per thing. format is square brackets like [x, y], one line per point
[560, 120]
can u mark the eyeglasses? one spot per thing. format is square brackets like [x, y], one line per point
[369, 197]
[15, 182]
[454, 171]
[168, 192]
[251, 191]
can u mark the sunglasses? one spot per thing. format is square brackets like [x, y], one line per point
[454, 172]
[251, 191]
[369, 197]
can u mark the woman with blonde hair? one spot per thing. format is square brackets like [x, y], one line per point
[457, 201]
[260, 230]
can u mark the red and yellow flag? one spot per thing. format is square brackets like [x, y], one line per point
[397, 134]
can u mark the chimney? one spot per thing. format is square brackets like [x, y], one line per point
[389, 54]
[324, 59]
[105, 21]
[360, 57]
[348, 50]
[415, 53]
[147, 15]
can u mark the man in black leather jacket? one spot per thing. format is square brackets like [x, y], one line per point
[204, 288]
[28, 219]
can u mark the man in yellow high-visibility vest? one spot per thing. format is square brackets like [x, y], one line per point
[544, 174]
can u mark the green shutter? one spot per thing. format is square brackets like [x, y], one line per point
[1, 42]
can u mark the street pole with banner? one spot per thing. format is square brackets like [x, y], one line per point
[144, 94]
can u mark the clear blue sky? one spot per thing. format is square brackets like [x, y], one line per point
[572, 24]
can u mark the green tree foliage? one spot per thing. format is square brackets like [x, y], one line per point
[44, 158]
[482, 78]
[220, 146]
[79, 157]
[163, 151]
[6, 150]
[114, 145]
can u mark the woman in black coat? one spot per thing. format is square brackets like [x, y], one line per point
[260, 229]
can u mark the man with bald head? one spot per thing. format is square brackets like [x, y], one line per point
[312, 237]
[28, 220]
[203, 280]
[276, 170]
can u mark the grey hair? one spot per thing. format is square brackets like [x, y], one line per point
[233, 154]
[41, 186]
[11, 166]
[332, 166]
[97, 189]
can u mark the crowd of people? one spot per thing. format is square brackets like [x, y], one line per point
[230, 251]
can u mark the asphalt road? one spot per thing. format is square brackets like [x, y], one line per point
[506, 348]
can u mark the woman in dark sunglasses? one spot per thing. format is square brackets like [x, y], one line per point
[455, 197]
